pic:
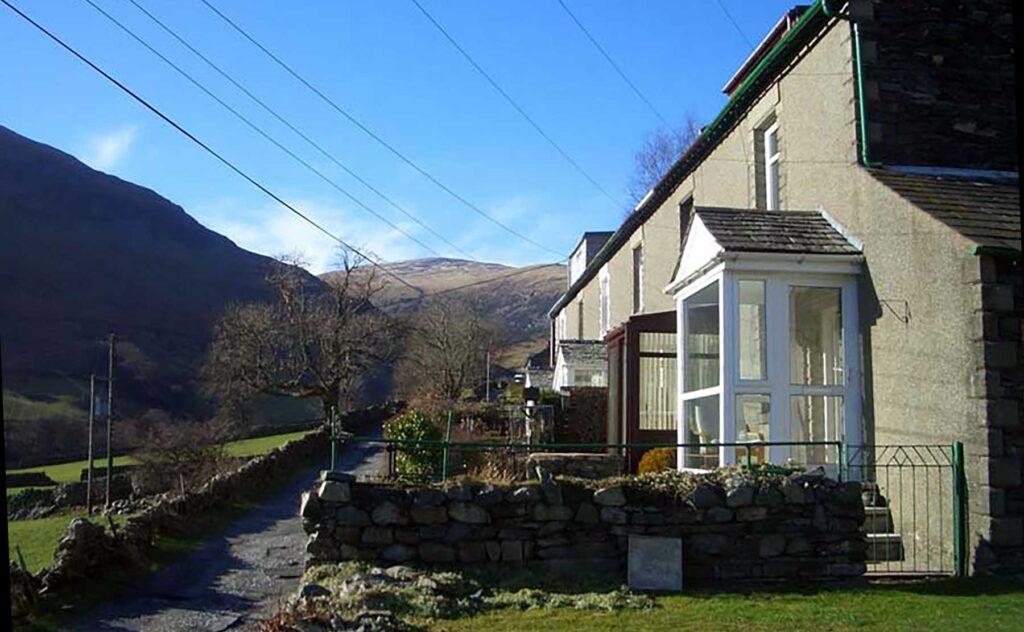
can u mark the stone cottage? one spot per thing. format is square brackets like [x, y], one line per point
[846, 265]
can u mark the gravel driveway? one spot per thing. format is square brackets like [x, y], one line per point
[235, 578]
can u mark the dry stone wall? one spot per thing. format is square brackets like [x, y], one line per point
[735, 527]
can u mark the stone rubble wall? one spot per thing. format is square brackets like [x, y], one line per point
[737, 528]
[995, 456]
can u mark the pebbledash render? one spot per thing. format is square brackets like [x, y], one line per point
[841, 248]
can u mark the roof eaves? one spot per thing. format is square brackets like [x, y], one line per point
[707, 140]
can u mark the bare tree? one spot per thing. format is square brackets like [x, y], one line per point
[315, 341]
[447, 349]
[659, 151]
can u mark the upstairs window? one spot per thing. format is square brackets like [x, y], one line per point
[771, 167]
[685, 209]
[606, 300]
[638, 279]
[767, 156]
[579, 320]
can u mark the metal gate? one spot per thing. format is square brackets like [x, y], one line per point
[914, 497]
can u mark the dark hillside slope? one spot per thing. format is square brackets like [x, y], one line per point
[83, 253]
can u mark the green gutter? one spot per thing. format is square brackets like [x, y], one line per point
[694, 155]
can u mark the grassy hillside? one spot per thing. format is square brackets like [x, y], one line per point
[517, 297]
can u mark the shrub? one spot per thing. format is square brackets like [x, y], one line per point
[657, 460]
[413, 462]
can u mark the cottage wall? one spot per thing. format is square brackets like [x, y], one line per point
[921, 290]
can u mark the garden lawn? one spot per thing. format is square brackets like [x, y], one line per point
[972, 604]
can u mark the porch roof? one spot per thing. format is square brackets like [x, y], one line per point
[745, 230]
[583, 352]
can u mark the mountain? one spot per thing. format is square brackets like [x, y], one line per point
[83, 253]
[517, 297]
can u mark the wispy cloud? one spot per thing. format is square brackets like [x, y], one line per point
[271, 230]
[105, 151]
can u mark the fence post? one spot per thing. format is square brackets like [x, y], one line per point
[959, 510]
[447, 443]
[841, 458]
[333, 421]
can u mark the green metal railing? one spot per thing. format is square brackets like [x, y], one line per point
[444, 448]
[916, 508]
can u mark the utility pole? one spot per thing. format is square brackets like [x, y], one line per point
[110, 419]
[487, 396]
[92, 419]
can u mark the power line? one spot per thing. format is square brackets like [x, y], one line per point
[352, 119]
[167, 119]
[223, 73]
[614, 65]
[735, 25]
[257, 129]
[515, 106]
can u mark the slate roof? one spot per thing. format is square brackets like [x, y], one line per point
[985, 210]
[744, 230]
[583, 352]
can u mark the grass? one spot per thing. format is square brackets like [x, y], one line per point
[262, 445]
[38, 538]
[972, 604]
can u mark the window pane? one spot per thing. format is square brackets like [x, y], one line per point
[657, 342]
[752, 331]
[702, 428]
[772, 184]
[752, 425]
[701, 341]
[815, 418]
[657, 393]
[771, 143]
[816, 336]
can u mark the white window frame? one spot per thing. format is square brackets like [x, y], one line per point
[779, 276]
[713, 276]
[604, 282]
[771, 165]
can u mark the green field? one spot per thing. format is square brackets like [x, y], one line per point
[70, 472]
[18, 407]
[973, 604]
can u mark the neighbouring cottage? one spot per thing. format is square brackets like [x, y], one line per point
[845, 267]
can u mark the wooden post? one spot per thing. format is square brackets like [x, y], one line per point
[92, 419]
[110, 419]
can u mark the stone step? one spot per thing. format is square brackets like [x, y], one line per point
[877, 520]
[884, 547]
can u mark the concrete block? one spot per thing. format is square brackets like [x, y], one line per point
[655, 563]
[331, 491]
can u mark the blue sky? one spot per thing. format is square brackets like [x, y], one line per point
[384, 62]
